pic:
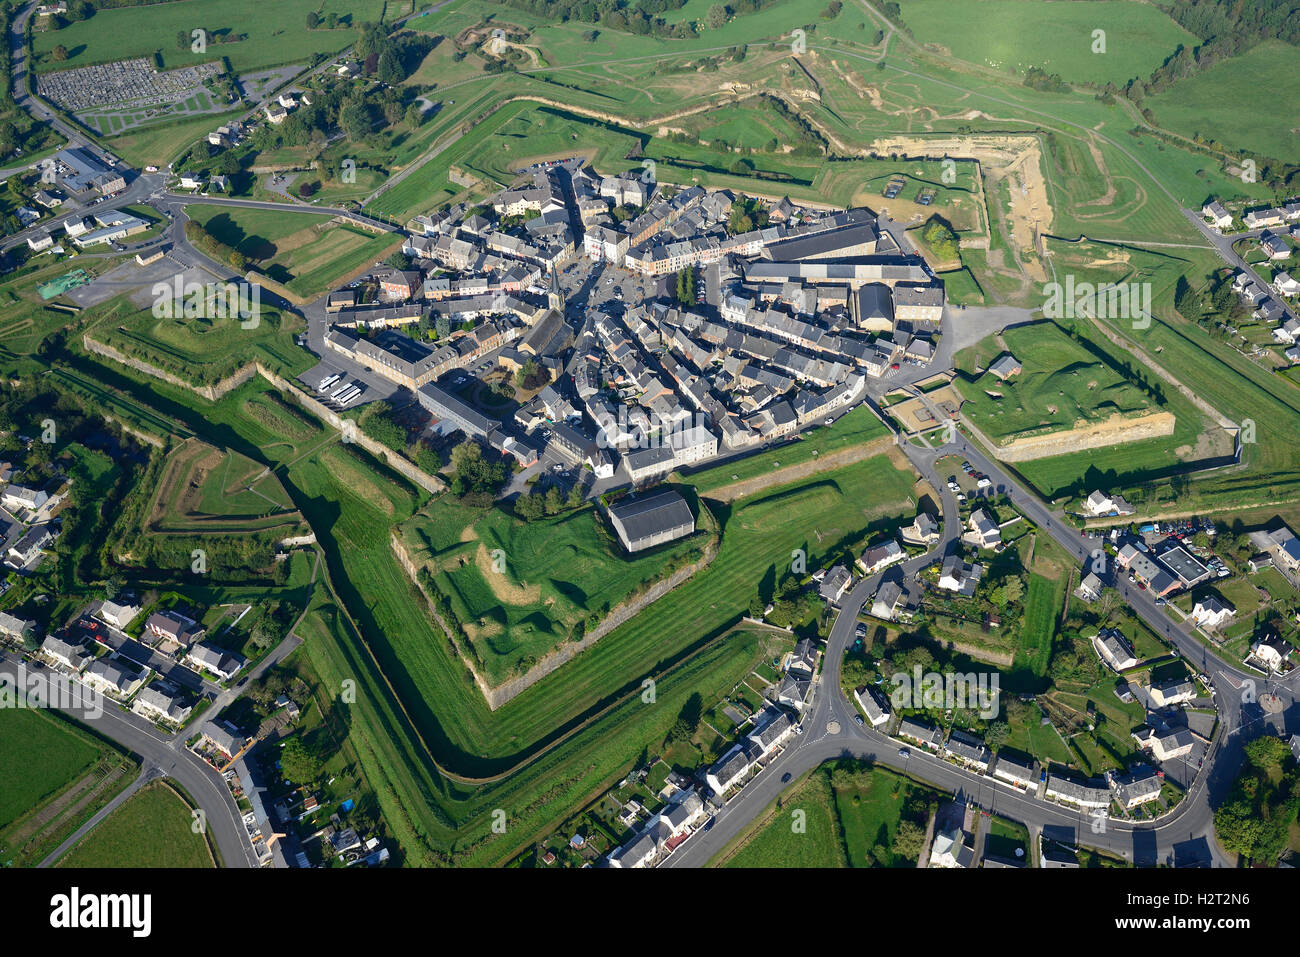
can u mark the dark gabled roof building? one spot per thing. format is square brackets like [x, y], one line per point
[652, 520]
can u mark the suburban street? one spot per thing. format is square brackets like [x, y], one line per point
[1183, 837]
[159, 754]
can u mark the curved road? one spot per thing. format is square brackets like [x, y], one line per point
[161, 755]
[1183, 836]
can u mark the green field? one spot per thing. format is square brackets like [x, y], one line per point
[66, 776]
[598, 723]
[851, 814]
[856, 428]
[1054, 36]
[1068, 383]
[559, 575]
[1208, 104]
[201, 351]
[1063, 384]
[804, 832]
[303, 251]
[51, 755]
[275, 33]
[152, 829]
[1044, 600]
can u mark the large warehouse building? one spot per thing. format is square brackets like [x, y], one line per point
[652, 520]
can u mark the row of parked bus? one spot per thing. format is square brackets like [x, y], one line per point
[342, 396]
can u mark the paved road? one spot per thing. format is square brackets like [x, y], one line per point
[161, 755]
[146, 775]
[1223, 245]
[1184, 836]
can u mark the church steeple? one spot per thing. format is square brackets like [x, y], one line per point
[556, 295]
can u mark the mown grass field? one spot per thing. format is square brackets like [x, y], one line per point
[66, 776]
[276, 33]
[1067, 382]
[1238, 388]
[856, 428]
[152, 829]
[305, 252]
[1044, 600]
[51, 755]
[1055, 36]
[206, 490]
[804, 832]
[558, 573]
[1063, 383]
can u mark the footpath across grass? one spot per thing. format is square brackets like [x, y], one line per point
[154, 829]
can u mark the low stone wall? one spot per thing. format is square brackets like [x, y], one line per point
[210, 392]
[498, 695]
[397, 463]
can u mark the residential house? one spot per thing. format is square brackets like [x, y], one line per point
[1079, 794]
[1016, 773]
[70, 656]
[959, 576]
[983, 529]
[113, 675]
[924, 530]
[873, 704]
[1140, 786]
[1212, 612]
[968, 749]
[14, 627]
[835, 584]
[1100, 503]
[1173, 692]
[160, 704]
[950, 850]
[1271, 652]
[1113, 648]
[1218, 216]
[881, 556]
[212, 659]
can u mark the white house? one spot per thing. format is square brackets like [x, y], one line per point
[1271, 651]
[1173, 692]
[876, 708]
[956, 575]
[213, 659]
[950, 850]
[111, 674]
[119, 616]
[20, 496]
[984, 531]
[1211, 613]
[1100, 503]
[1217, 214]
[1286, 284]
[1113, 648]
